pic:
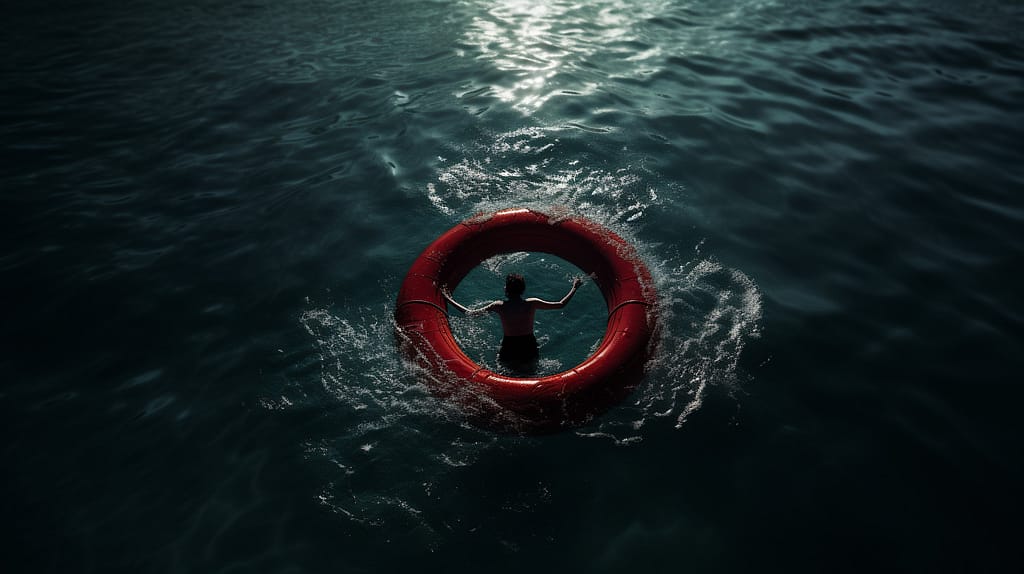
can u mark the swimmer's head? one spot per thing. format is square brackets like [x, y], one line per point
[515, 285]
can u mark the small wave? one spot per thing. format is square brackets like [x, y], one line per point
[381, 420]
[715, 310]
[707, 310]
[537, 167]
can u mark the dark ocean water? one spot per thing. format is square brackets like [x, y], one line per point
[208, 207]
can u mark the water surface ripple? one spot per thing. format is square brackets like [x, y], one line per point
[210, 205]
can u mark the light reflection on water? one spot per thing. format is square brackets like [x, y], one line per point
[708, 311]
[180, 177]
[538, 42]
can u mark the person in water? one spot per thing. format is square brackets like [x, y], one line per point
[518, 346]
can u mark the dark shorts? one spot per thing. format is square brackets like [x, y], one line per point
[518, 349]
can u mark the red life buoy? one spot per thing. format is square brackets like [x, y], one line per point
[569, 398]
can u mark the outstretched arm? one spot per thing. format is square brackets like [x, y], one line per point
[471, 312]
[542, 304]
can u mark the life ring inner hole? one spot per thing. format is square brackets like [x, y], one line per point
[567, 336]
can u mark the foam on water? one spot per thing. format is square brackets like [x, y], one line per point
[708, 313]
[388, 423]
[179, 176]
[707, 310]
[535, 168]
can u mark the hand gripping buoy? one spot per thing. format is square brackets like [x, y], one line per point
[566, 399]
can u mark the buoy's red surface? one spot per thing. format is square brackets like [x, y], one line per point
[566, 399]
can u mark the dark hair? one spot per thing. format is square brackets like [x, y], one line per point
[514, 285]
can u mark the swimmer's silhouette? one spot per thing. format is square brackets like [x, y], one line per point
[519, 349]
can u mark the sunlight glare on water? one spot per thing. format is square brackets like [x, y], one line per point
[707, 311]
[539, 41]
[212, 205]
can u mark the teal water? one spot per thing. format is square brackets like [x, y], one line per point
[209, 207]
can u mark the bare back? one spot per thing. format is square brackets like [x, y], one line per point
[516, 316]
